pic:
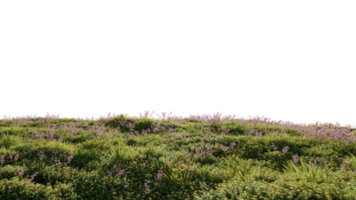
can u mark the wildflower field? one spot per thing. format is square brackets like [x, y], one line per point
[199, 157]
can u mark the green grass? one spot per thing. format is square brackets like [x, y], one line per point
[125, 157]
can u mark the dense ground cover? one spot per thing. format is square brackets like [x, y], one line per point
[125, 157]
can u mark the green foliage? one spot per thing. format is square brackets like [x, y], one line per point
[130, 158]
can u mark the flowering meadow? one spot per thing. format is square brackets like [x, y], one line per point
[200, 157]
